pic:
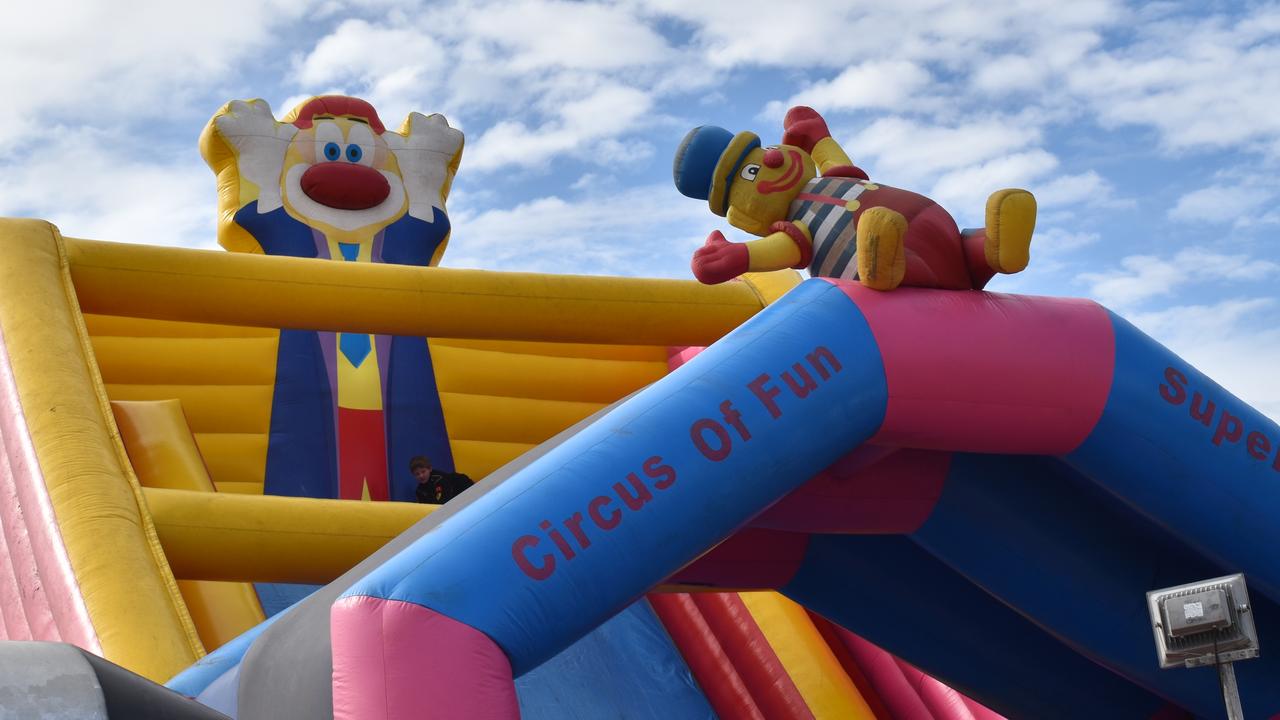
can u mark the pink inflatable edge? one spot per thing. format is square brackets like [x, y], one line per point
[394, 660]
[36, 579]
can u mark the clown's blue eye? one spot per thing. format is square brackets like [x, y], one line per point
[354, 153]
[332, 151]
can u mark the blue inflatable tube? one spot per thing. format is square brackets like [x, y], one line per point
[1183, 451]
[1064, 554]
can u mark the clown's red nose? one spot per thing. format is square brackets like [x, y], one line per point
[345, 186]
[773, 158]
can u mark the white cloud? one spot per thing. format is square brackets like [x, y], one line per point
[1055, 249]
[358, 50]
[111, 62]
[90, 185]
[541, 34]
[1221, 204]
[1088, 188]
[616, 154]
[837, 33]
[584, 128]
[1200, 81]
[1236, 342]
[550, 77]
[358, 54]
[1031, 68]
[638, 231]
[1143, 277]
[964, 191]
[1056, 241]
[734, 32]
[1010, 73]
[908, 153]
[887, 85]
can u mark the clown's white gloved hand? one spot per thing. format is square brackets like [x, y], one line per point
[260, 143]
[424, 154]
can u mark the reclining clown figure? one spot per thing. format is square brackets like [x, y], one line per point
[813, 208]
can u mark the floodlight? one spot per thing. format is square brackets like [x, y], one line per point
[1206, 623]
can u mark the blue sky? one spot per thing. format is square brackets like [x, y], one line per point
[1150, 133]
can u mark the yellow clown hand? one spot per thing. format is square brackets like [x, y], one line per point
[245, 139]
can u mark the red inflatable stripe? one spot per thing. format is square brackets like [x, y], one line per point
[720, 682]
[749, 651]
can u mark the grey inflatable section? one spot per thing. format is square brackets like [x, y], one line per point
[48, 680]
[288, 671]
[56, 681]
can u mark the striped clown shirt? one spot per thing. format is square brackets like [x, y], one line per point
[829, 207]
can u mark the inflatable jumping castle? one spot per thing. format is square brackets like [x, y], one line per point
[878, 491]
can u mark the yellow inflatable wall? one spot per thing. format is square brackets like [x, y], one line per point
[86, 323]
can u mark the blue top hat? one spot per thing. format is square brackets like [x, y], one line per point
[707, 161]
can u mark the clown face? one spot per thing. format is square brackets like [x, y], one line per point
[340, 175]
[766, 182]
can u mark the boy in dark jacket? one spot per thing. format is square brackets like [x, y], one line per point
[436, 486]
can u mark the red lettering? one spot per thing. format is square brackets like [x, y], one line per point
[655, 468]
[800, 389]
[593, 509]
[1258, 445]
[1229, 428]
[574, 523]
[559, 540]
[714, 440]
[528, 542]
[734, 418]
[1207, 416]
[766, 395]
[637, 501]
[1174, 393]
[822, 353]
[698, 433]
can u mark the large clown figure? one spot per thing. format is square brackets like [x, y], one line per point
[329, 181]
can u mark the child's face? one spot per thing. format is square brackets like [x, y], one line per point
[422, 473]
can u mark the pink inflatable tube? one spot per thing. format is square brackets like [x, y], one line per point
[395, 660]
[942, 701]
[1037, 387]
[886, 677]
